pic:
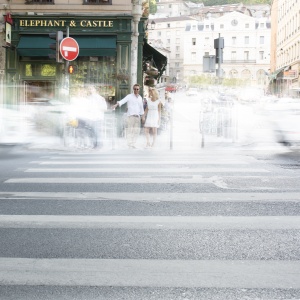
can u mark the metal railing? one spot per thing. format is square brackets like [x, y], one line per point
[247, 61]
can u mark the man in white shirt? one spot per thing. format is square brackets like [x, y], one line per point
[135, 111]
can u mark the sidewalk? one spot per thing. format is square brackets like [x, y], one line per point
[188, 142]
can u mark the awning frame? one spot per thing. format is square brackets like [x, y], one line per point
[150, 54]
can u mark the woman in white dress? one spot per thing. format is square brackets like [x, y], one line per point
[152, 115]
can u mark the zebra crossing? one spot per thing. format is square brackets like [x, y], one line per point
[158, 224]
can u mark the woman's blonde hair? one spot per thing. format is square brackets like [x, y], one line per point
[153, 93]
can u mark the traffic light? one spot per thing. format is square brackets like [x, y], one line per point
[71, 69]
[58, 37]
[219, 45]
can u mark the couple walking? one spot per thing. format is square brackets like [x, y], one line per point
[150, 117]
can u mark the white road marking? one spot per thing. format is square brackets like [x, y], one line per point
[139, 162]
[180, 170]
[151, 222]
[151, 273]
[157, 197]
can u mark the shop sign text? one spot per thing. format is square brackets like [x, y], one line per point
[63, 23]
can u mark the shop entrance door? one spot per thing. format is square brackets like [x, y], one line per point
[38, 91]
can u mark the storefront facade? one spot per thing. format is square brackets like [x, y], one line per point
[104, 60]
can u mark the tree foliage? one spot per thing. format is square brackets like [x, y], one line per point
[152, 6]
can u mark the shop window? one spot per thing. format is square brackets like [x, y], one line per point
[39, 70]
[100, 72]
[39, 1]
[100, 2]
[48, 70]
[28, 70]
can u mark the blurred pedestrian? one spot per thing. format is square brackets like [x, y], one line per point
[96, 106]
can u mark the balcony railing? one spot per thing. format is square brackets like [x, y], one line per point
[98, 2]
[39, 1]
[88, 2]
[234, 62]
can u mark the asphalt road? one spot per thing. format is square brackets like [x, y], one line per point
[199, 216]
[219, 222]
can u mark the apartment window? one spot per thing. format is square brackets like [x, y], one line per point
[177, 48]
[222, 26]
[193, 56]
[246, 55]
[178, 32]
[261, 39]
[262, 25]
[102, 2]
[247, 25]
[168, 41]
[234, 40]
[233, 74]
[168, 25]
[177, 64]
[246, 39]
[39, 1]
[158, 33]
[261, 55]
[168, 33]
[193, 41]
[207, 26]
[233, 55]
[177, 41]
[177, 55]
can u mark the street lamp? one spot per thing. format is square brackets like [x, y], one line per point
[152, 25]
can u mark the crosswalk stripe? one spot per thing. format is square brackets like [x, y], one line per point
[144, 170]
[241, 274]
[151, 222]
[139, 162]
[270, 183]
[157, 197]
[145, 157]
[119, 180]
[150, 273]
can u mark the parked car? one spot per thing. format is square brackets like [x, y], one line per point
[192, 92]
[172, 88]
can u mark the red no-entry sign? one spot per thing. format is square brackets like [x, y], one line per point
[69, 48]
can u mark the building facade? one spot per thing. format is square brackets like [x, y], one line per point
[246, 54]
[285, 63]
[169, 32]
[175, 8]
[110, 35]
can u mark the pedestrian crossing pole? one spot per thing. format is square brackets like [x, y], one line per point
[219, 45]
[171, 129]
[202, 127]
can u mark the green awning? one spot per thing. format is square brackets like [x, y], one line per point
[34, 45]
[38, 45]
